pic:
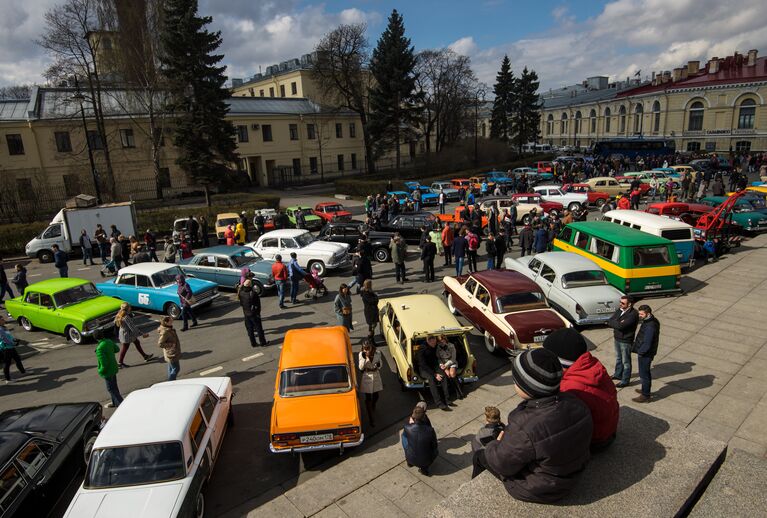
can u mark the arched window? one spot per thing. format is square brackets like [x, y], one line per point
[608, 113]
[593, 119]
[622, 119]
[638, 116]
[746, 115]
[564, 123]
[696, 117]
[656, 116]
[550, 124]
[577, 122]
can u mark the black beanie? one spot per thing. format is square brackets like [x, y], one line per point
[568, 344]
[537, 372]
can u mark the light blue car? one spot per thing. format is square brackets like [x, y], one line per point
[402, 196]
[223, 265]
[153, 286]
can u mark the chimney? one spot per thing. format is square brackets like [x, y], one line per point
[652, 81]
[713, 65]
[684, 73]
[677, 74]
[693, 67]
[666, 76]
[751, 58]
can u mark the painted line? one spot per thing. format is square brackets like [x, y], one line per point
[56, 346]
[83, 269]
[34, 275]
[252, 357]
[211, 371]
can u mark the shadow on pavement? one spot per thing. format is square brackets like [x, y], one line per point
[42, 379]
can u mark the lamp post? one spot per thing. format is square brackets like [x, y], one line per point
[479, 97]
[94, 173]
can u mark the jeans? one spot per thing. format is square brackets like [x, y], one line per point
[114, 391]
[645, 375]
[490, 263]
[441, 208]
[253, 326]
[63, 271]
[295, 282]
[153, 255]
[11, 356]
[173, 368]
[399, 272]
[6, 288]
[104, 251]
[622, 360]
[186, 314]
[428, 270]
[472, 257]
[87, 255]
[459, 265]
[280, 291]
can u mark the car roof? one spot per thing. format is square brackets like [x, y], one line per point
[52, 286]
[314, 346]
[567, 261]
[147, 268]
[645, 218]
[595, 178]
[422, 313]
[503, 282]
[227, 215]
[626, 236]
[285, 232]
[222, 250]
[18, 425]
[326, 203]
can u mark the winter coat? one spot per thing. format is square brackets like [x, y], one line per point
[370, 378]
[490, 248]
[526, 238]
[184, 292]
[239, 234]
[487, 433]
[279, 271]
[646, 342]
[294, 269]
[229, 236]
[116, 251]
[460, 246]
[60, 259]
[128, 332]
[588, 379]
[540, 240]
[446, 353]
[364, 268]
[370, 305]
[624, 326]
[448, 236]
[544, 448]
[421, 442]
[429, 252]
[20, 280]
[428, 361]
[436, 238]
[249, 301]
[341, 302]
[169, 253]
[105, 356]
[169, 343]
[398, 250]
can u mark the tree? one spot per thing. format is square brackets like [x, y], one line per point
[203, 135]
[341, 78]
[503, 105]
[15, 92]
[526, 116]
[394, 104]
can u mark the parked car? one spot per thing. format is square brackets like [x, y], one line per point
[223, 220]
[462, 182]
[409, 225]
[500, 178]
[451, 193]
[406, 323]
[313, 222]
[72, 307]
[476, 183]
[572, 200]
[518, 171]
[527, 201]
[574, 285]
[683, 169]
[320, 256]
[153, 286]
[155, 455]
[687, 212]
[180, 227]
[427, 196]
[350, 232]
[223, 265]
[456, 217]
[44, 448]
[609, 185]
[315, 405]
[331, 211]
[268, 215]
[596, 198]
[544, 167]
[749, 211]
[508, 307]
[660, 176]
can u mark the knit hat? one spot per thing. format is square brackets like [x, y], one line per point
[568, 344]
[537, 372]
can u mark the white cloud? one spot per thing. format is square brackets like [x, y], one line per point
[465, 46]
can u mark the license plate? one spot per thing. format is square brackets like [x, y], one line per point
[308, 439]
[538, 339]
[652, 286]
[679, 255]
[604, 310]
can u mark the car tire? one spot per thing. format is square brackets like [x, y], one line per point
[26, 324]
[199, 505]
[317, 266]
[600, 202]
[381, 255]
[572, 207]
[74, 335]
[490, 344]
[258, 288]
[173, 310]
[45, 256]
[526, 219]
[88, 448]
[450, 305]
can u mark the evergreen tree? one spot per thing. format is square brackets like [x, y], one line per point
[526, 116]
[203, 135]
[395, 106]
[503, 105]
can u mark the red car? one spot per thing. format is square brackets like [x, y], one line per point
[544, 167]
[533, 198]
[686, 212]
[331, 211]
[597, 198]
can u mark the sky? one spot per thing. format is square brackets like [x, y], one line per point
[564, 41]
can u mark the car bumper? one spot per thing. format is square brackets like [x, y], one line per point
[593, 320]
[206, 300]
[657, 293]
[461, 379]
[343, 263]
[102, 327]
[318, 447]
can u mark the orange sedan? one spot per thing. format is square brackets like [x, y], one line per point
[315, 394]
[456, 216]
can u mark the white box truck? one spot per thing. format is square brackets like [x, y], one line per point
[64, 230]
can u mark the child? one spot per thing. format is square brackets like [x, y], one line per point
[171, 347]
[490, 431]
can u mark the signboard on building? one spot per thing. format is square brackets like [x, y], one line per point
[710, 146]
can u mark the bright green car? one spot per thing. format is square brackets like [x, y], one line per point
[73, 307]
[313, 222]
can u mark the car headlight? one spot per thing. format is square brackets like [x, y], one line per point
[91, 325]
[750, 223]
[271, 279]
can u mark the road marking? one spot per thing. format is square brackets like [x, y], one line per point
[81, 269]
[211, 371]
[34, 275]
[252, 357]
[354, 323]
[56, 346]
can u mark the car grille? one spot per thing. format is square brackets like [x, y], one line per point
[205, 295]
[105, 319]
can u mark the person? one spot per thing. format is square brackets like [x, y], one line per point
[60, 261]
[398, 248]
[419, 440]
[717, 188]
[116, 252]
[250, 303]
[244, 222]
[185, 298]
[342, 306]
[169, 251]
[460, 246]
[239, 234]
[128, 333]
[103, 242]
[134, 247]
[491, 250]
[428, 253]
[545, 445]
[171, 346]
[86, 246]
[259, 221]
[193, 229]
[9, 352]
[435, 234]
[370, 305]
[624, 323]
[296, 274]
[362, 269]
[300, 218]
[229, 235]
[108, 367]
[526, 240]
[500, 248]
[586, 377]
[489, 431]
[448, 364]
[441, 199]
[4, 286]
[634, 198]
[540, 239]
[429, 369]
[448, 236]
[623, 202]
[280, 274]
[205, 231]
[114, 232]
[472, 245]
[20, 279]
[124, 249]
[646, 347]
[151, 245]
[370, 363]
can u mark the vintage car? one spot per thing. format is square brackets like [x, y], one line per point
[687, 212]
[406, 323]
[462, 182]
[320, 256]
[451, 193]
[596, 198]
[683, 169]
[402, 197]
[315, 403]
[476, 183]
[331, 211]
[574, 285]
[749, 212]
[500, 178]
[44, 449]
[350, 232]
[223, 220]
[408, 225]
[523, 170]
[626, 181]
[543, 167]
[223, 265]
[609, 185]
[527, 201]
[268, 215]
[572, 200]
[73, 307]
[180, 227]
[155, 455]
[427, 196]
[660, 176]
[313, 222]
[510, 309]
[456, 217]
[153, 286]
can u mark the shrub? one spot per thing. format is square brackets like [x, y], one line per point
[14, 236]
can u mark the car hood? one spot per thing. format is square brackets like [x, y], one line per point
[308, 413]
[327, 247]
[528, 324]
[92, 308]
[262, 267]
[197, 285]
[151, 501]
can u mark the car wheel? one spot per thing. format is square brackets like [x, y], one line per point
[172, 310]
[199, 505]
[26, 324]
[45, 256]
[490, 344]
[74, 335]
[319, 267]
[526, 219]
[381, 255]
[88, 448]
[574, 206]
[258, 288]
[601, 202]
[450, 305]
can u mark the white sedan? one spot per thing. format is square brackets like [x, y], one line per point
[574, 285]
[570, 200]
[311, 253]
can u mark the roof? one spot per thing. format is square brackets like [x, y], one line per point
[147, 268]
[567, 261]
[16, 425]
[285, 232]
[645, 218]
[423, 313]
[222, 250]
[13, 109]
[314, 346]
[52, 286]
[169, 409]
[504, 282]
[581, 98]
[626, 236]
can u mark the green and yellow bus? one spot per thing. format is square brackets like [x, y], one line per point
[635, 262]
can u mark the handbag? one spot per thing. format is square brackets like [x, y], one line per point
[346, 311]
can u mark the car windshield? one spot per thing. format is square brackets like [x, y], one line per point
[304, 240]
[583, 278]
[520, 302]
[135, 465]
[332, 208]
[309, 381]
[179, 225]
[756, 202]
[75, 295]
[165, 277]
[245, 257]
[227, 221]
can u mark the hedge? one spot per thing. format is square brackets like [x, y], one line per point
[15, 236]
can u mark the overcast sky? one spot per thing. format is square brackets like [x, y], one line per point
[563, 41]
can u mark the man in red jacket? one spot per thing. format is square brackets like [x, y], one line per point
[585, 377]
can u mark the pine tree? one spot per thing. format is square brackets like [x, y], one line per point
[395, 106]
[527, 110]
[203, 135]
[503, 105]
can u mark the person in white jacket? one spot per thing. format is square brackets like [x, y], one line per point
[370, 362]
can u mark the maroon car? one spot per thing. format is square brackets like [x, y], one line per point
[508, 307]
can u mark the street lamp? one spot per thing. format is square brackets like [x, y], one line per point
[80, 98]
[479, 97]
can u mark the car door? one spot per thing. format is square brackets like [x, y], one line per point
[213, 411]
[533, 269]
[288, 245]
[31, 308]
[465, 303]
[125, 288]
[268, 247]
[204, 267]
[546, 278]
[482, 308]
[47, 315]
[146, 294]
[226, 273]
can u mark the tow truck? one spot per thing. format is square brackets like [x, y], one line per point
[718, 226]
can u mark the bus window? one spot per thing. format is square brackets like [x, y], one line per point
[566, 234]
[651, 256]
[636, 227]
[608, 218]
[581, 240]
[602, 248]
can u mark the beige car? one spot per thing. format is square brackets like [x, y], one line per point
[222, 221]
[609, 185]
[502, 203]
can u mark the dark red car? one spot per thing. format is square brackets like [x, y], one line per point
[686, 212]
[332, 211]
[597, 198]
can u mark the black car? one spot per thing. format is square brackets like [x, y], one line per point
[350, 232]
[42, 450]
[409, 225]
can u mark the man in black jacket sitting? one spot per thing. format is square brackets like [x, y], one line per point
[419, 441]
[428, 369]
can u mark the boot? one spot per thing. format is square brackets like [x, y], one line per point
[369, 408]
[458, 391]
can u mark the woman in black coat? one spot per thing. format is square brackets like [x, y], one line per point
[370, 305]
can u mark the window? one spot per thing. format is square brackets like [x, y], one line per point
[24, 189]
[651, 256]
[142, 281]
[107, 43]
[242, 133]
[33, 456]
[483, 296]
[271, 91]
[330, 379]
[197, 430]
[550, 124]
[63, 142]
[266, 132]
[656, 116]
[293, 128]
[608, 113]
[534, 265]
[693, 146]
[128, 279]
[352, 130]
[52, 232]
[313, 165]
[46, 301]
[269, 243]
[593, 121]
[339, 130]
[252, 92]
[470, 285]
[282, 90]
[288, 242]
[164, 178]
[602, 248]
[622, 119]
[581, 240]
[583, 278]
[126, 138]
[743, 145]
[638, 113]
[208, 406]
[577, 122]
[223, 262]
[297, 166]
[94, 140]
[354, 160]
[12, 484]
[71, 185]
[261, 92]
[311, 132]
[135, 465]
[566, 234]
[15, 144]
[696, 117]
[564, 123]
[340, 162]
[548, 274]
[746, 114]
[294, 88]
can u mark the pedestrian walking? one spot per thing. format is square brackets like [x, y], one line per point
[419, 440]
[151, 245]
[435, 234]
[9, 352]
[428, 253]
[171, 346]
[526, 240]
[370, 363]
[280, 274]
[447, 237]
[500, 248]
[540, 239]
[86, 246]
[4, 286]
[460, 247]
[169, 250]
[441, 199]
[186, 299]
[108, 367]
[472, 245]
[398, 248]
[491, 250]
[128, 333]
[125, 249]
[116, 252]
[624, 323]
[19, 279]
[646, 347]
[193, 230]
[342, 306]
[60, 260]
[205, 231]
[103, 242]
[296, 274]
[370, 308]
[114, 232]
[250, 303]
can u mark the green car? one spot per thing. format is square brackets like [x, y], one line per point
[749, 212]
[313, 222]
[73, 307]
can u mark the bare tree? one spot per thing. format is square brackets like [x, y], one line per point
[342, 77]
[15, 92]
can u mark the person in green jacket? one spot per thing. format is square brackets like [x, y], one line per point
[107, 366]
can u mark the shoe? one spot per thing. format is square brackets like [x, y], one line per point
[184, 329]
[148, 357]
[8, 382]
[638, 391]
[445, 407]
[621, 385]
[109, 405]
[294, 302]
[451, 403]
[283, 306]
[194, 324]
[641, 399]
[615, 378]
[123, 365]
[409, 465]
[424, 472]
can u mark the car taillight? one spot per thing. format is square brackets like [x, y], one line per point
[580, 311]
[628, 286]
[283, 437]
[353, 430]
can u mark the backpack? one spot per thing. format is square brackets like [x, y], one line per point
[473, 241]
